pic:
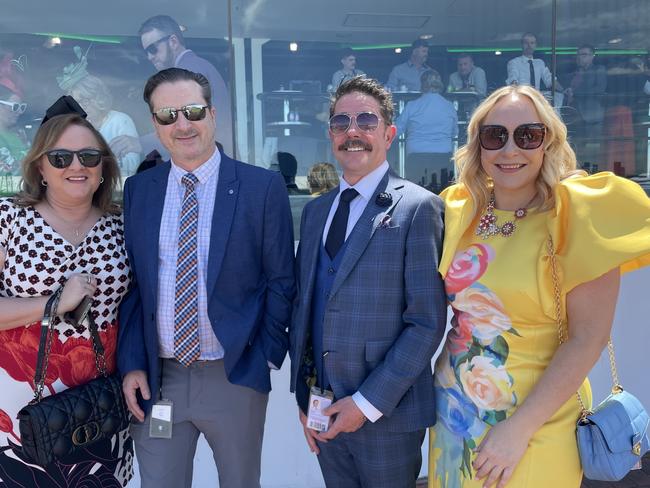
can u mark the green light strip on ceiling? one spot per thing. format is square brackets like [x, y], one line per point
[80, 37]
[379, 46]
[561, 51]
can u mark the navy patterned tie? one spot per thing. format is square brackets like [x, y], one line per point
[339, 225]
[186, 309]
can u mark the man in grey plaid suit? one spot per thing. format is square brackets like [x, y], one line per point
[370, 310]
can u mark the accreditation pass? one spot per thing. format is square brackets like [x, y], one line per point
[319, 400]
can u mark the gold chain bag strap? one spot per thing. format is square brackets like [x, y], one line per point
[614, 436]
[60, 427]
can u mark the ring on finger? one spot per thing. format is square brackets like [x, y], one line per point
[88, 279]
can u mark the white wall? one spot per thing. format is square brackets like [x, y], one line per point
[287, 462]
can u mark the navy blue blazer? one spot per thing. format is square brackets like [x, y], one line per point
[250, 278]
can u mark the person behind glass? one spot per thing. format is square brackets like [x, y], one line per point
[96, 99]
[13, 145]
[348, 70]
[211, 243]
[468, 77]
[288, 166]
[585, 93]
[407, 75]
[370, 309]
[528, 70]
[164, 44]
[430, 124]
[61, 230]
[505, 389]
[322, 177]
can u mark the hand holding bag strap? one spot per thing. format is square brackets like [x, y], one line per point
[45, 346]
[563, 332]
[98, 347]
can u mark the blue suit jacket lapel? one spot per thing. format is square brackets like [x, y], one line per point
[311, 239]
[222, 217]
[366, 226]
[156, 191]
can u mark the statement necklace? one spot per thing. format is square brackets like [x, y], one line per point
[487, 225]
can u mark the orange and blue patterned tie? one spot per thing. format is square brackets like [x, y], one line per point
[186, 310]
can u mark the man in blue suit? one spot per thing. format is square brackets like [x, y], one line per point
[210, 245]
[370, 308]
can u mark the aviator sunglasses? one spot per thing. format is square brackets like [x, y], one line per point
[15, 107]
[153, 47]
[62, 158]
[168, 115]
[526, 136]
[365, 121]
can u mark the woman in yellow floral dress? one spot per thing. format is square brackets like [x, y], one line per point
[505, 388]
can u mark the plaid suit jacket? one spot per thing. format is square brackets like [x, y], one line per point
[386, 313]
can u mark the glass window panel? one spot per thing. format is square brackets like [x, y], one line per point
[607, 110]
[96, 55]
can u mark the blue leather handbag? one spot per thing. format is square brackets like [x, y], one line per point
[613, 437]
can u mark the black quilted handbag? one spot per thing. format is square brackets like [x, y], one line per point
[56, 427]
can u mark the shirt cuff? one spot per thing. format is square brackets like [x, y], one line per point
[272, 366]
[366, 407]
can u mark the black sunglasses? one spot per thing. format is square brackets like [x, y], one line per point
[168, 115]
[526, 136]
[153, 47]
[366, 121]
[62, 158]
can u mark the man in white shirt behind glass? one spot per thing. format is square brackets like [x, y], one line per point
[527, 70]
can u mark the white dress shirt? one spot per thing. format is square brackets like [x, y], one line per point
[366, 187]
[206, 189]
[519, 71]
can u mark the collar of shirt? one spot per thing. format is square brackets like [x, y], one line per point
[203, 172]
[423, 67]
[178, 58]
[367, 185]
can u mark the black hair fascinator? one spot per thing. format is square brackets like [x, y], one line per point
[63, 106]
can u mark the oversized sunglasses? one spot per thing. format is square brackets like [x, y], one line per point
[365, 121]
[15, 107]
[526, 136]
[153, 47]
[62, 158]
[168, 115]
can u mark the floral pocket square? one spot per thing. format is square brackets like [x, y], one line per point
[386, 222]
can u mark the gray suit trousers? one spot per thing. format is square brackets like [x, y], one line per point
[231, 418]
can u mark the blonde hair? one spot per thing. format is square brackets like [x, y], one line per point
[94, 90]
[322, 177]
[559, 159]
[33, 192]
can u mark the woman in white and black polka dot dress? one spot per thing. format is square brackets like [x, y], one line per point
[60, 230]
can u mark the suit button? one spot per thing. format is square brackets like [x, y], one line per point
[331, 270]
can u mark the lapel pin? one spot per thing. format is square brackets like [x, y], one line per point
[384, 199]
[231, 191]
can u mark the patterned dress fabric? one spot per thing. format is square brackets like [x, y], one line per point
[504, 333]
[37, 261]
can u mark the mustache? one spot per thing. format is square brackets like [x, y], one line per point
[350, 143]
[185, 133]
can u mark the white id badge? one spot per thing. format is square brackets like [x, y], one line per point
[319, 400]
[160, 425]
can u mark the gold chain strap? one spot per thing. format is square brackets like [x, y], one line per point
[563, 332]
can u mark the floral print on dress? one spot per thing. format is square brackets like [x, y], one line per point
[473, 387]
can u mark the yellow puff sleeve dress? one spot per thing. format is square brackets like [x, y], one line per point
[504, 333]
